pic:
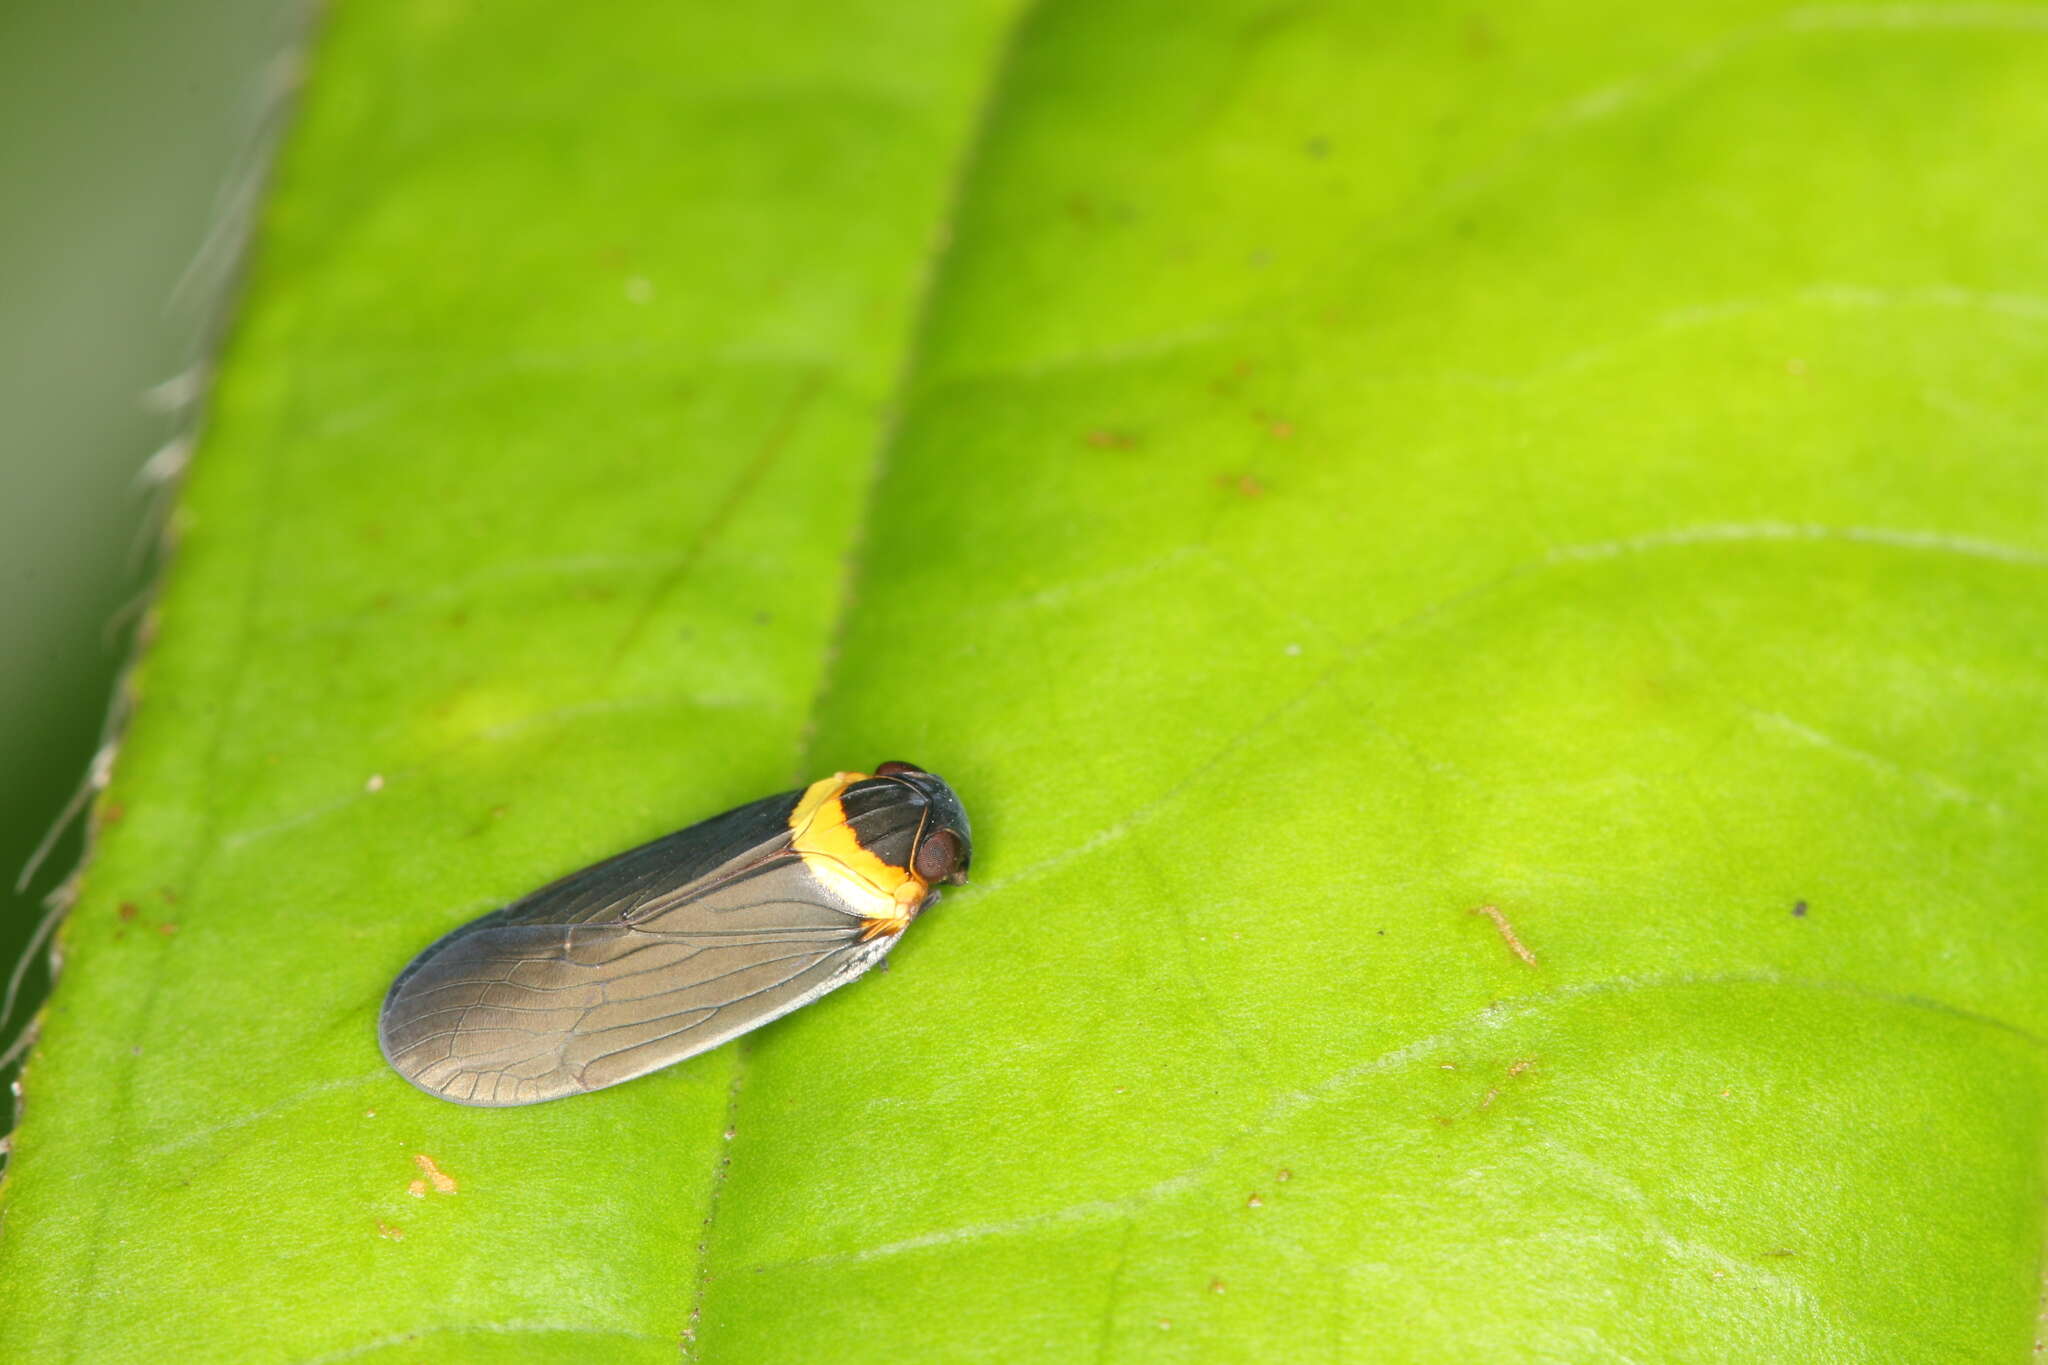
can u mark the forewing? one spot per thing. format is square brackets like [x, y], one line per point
[517, 1007]
[642, 881]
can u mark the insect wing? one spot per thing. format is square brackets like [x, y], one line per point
[638, 883]
[625, 967]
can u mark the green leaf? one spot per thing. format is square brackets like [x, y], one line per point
[1304, 474]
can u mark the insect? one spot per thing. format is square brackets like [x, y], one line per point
[679, 945]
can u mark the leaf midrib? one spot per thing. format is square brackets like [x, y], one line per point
[942, 244]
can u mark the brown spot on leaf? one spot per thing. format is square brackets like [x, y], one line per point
[417, 1189]
[1104, 439]
[385, 1230]
[442, 1181]
[127, 911]
[1507, 931]
[1254, 1202]
[167, 928]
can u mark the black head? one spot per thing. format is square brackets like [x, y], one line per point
[944, 846]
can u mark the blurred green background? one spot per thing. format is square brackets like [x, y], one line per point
[133, 138]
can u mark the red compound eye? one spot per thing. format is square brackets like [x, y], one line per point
[937, 856]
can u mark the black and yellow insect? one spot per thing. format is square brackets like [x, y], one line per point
[679, 945]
